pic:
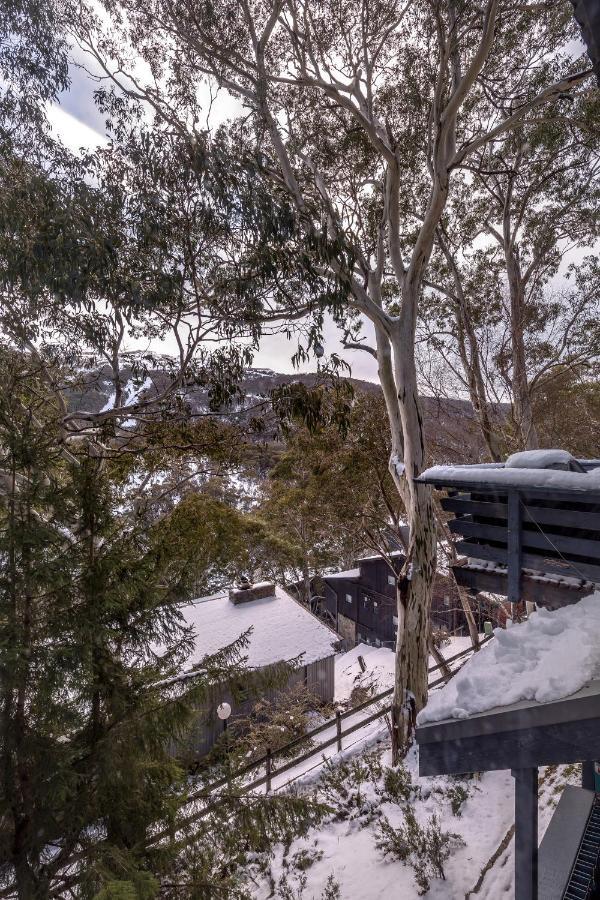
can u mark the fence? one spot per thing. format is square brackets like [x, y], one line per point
[269, 757]
[72, 879]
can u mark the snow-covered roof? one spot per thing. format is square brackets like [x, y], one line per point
[348, 574]
[392, 555]
[549, 657]
[282, 629]
[513, 477]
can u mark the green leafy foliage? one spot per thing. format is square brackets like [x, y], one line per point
[330, 496]
[91, 640]
[457, 795]
[347, 786]
[274, 722]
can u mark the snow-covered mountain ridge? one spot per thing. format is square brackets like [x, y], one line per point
[450, 422]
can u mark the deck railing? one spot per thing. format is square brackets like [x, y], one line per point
[527, 543]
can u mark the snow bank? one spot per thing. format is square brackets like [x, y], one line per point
[348, 673]
[379, 662]
[548, 657]
[538, 459]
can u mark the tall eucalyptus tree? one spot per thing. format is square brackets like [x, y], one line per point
[361, 110]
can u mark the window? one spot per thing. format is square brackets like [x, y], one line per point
[446, 601]
[348, 598]
[392, 580]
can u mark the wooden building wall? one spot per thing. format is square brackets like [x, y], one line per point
[318, 676]
[365, 607]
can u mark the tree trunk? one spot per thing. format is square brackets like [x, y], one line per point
[463, 596]
[477, 394]
[306, 583]
[416, 579]
[523, 408]
[414, 602]
[468, 349]
[28, 886]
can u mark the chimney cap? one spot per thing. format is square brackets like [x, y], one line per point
[250, 592]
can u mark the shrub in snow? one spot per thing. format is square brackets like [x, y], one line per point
[305, 858]
[347, 787]
[457, 795]
[288, 891]
[440, 637]
[392, 841]
[361, 693]
[274, 722]
[398, 786]
[332, 890]
[425, 848]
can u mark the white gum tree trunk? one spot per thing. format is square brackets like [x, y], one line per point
[281, 67]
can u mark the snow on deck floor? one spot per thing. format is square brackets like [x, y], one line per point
[550, 656]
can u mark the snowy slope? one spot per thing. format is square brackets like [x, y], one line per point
[379, 663]
[345, 845]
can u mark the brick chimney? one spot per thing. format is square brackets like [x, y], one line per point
[252, 592]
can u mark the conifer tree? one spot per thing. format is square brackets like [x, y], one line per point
[91, 644]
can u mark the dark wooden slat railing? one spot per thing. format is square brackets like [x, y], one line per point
[548, 541]
[543, 515]
[541, 563]
[551, 533]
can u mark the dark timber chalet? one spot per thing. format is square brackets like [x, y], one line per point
[530, 531]
[361, 602]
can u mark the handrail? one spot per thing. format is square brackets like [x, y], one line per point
[290, 764]
[329, 723]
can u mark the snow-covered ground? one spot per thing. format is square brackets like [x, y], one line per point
[379, 663]
[344, 848]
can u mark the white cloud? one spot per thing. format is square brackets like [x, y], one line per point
[71, 131]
